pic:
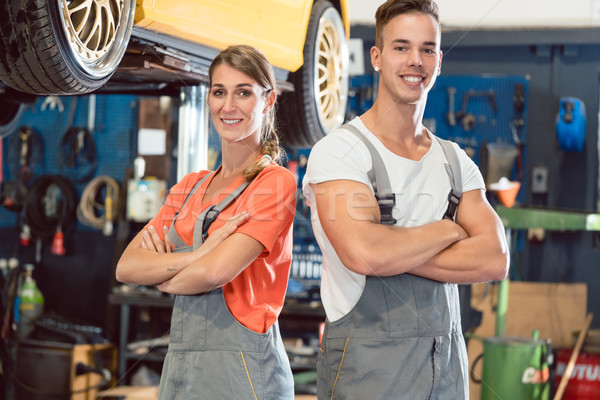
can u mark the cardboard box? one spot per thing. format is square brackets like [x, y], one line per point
[554, 309]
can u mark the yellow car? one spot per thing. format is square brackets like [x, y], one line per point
[67, 47]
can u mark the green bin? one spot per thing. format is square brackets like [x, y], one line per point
[515, 369]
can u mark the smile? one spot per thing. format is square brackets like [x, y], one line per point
[412, 79]
[231, 121]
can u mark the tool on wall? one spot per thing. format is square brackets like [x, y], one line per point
[78, 148]
[517, 125]
[26, 154]
[451, 115]
[467, 119]
[571, 124]
[49, 210]
[99, 204]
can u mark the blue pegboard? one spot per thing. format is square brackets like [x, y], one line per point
[490, 125]
[114, 133]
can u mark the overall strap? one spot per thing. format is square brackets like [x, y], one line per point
[455, 176]
[174, 237]
[379, 178]
[211, 213]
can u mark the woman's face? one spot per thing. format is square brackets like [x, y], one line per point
[237, 104]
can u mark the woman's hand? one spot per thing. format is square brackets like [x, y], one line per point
[151, 241]
[215, 238]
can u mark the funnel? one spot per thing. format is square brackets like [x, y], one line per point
[506, 191]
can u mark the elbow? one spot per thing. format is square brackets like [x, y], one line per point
[120, 274]
[360, 258]
[500, 267]
[214, 278]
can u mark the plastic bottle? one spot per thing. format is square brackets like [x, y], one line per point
[31, 304]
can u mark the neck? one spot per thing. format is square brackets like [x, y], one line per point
[395, 120]
[237, 156]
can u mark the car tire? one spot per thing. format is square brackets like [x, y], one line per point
[318, 103]
[59, 46]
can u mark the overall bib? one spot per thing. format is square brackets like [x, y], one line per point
[403, 338]
[213, 356]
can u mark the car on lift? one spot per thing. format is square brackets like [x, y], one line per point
[75, 47]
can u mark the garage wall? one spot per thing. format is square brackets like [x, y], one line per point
[75, 285]
[559, 63]
[494, 13]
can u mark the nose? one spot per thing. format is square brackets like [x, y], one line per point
[414, 58]
[228, 103]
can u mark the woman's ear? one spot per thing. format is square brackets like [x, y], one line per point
[271, 96]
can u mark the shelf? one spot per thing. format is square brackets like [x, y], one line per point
[552, 220]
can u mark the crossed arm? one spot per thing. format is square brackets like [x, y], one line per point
[471, 250]
[148, 260]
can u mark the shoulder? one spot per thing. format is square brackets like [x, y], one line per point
[276, 176]
[340, 140]
[187, 183]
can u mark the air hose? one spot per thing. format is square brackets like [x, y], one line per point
[50, 208]
[99, 204]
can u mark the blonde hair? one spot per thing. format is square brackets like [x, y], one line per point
[253, 63]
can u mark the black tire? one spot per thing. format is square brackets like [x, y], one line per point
[43, 53]
[318, 103]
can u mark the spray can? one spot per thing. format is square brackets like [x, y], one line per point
[31, 304]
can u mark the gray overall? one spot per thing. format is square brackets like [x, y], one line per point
[403, 338]
[213, 356]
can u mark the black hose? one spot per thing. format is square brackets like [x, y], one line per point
[50, 205]
[79, 154]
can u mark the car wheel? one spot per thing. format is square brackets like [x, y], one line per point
[62, 46]
[318, 103]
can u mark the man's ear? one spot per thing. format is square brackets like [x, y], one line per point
[375, 57]
[440, 63]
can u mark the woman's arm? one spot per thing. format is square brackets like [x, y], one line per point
[148, 259]
[215, 268]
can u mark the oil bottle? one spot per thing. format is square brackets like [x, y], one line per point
[31, 304]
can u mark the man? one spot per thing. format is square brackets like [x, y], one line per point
[393, 327]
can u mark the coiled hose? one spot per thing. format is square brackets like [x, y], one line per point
[50, 205]
[99, 204]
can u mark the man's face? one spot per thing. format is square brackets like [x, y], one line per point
[411, 58]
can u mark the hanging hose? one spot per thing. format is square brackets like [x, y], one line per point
[99, 204]
[50, 205]
[78, 154]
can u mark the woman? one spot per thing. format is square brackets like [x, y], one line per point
[228, 248]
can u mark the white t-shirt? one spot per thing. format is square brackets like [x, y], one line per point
[421, 189]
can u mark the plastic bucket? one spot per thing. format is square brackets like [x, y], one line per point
[515, 368]
[584, 383]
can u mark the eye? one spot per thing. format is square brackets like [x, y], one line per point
[400, 48]
[245, 93]
[429, 51]
[218, 92]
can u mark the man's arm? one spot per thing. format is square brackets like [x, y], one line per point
[349, 215]
[441, 250]
[483, 256]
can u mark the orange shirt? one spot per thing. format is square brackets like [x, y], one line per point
[254, 297]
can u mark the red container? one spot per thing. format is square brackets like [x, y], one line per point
[585, 380]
